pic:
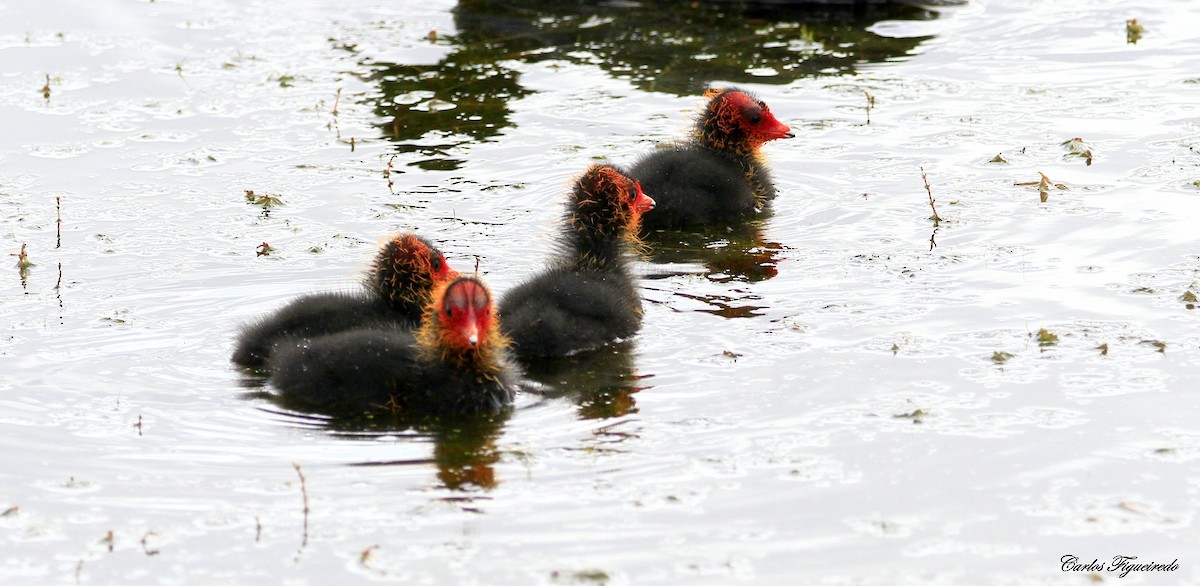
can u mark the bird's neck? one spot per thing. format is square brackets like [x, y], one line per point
[590, 250]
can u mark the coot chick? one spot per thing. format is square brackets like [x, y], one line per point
[586, 296]
[717, 175]
[404, 273]
[457, 362]
[398, 288]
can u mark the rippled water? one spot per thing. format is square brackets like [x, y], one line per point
[818, 397]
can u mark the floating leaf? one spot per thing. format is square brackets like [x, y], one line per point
[1133, 31]
[1044, 184]
[1103, 348]
[1046, 338]
[23, 262]
[1160, 345]
[1077, 148]
[265, 200]
[1000, 357]
[999, 159]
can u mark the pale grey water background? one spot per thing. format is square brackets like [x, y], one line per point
[768, 449]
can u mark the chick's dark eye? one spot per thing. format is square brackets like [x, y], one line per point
[436, 263]
[754, 117]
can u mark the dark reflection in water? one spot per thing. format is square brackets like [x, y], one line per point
[737, 252]
[601, 382]
[464, 448]
[680, 46]
[430, 109]
[674, 46]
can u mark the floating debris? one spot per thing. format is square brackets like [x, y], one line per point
[146, 547]
[916, 416]
[265, 200]
[263, 249]
[935, 217]
[1044, 184]
[46, 89]
[582, 576]
[304, 494]
[1000, 357]
[1189, 299]
[1077, 148]
[999, 159]
[1046, 338]
[1103, 348]
[23, 262]
[1160, 345]
[366, 554]
[870, 104]
[1133, 31]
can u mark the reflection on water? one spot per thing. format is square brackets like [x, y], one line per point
[679, 47]
[464, 447]
[737, 252]
[674, 47]
[430, 109]
[601, 382]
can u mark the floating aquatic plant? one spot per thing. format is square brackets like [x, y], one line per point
[1159, 345]
[23, 262]
[1076, 147]
[1044, 184]
[1000, 357]
[265, 200]
[1046, 338]
[1133, 31]
[929, 191]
